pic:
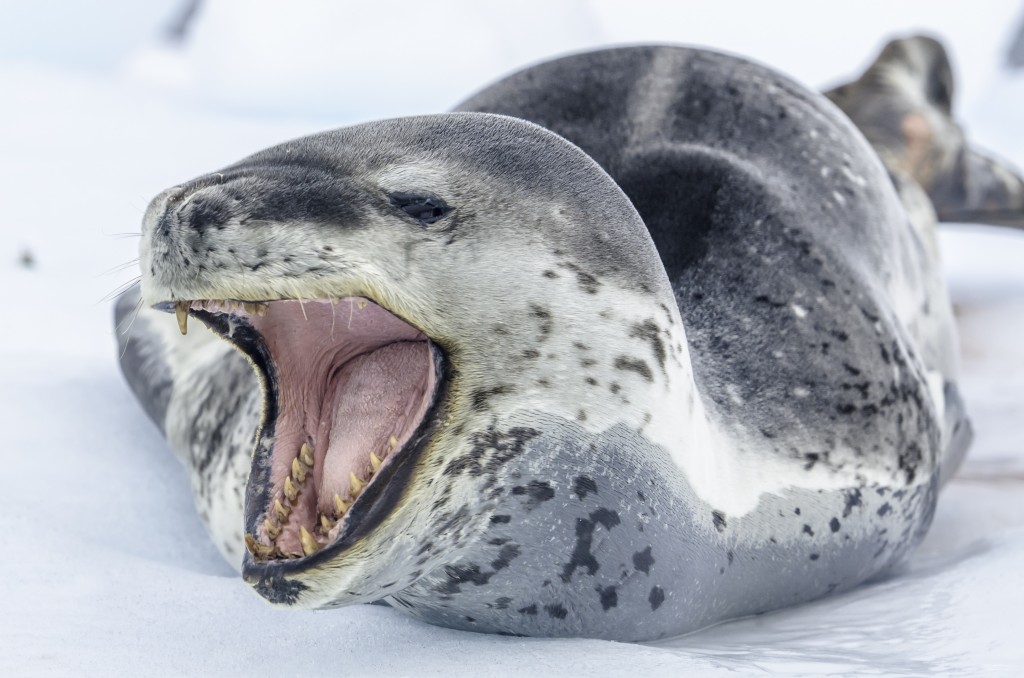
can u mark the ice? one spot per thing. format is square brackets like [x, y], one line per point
[106, 568]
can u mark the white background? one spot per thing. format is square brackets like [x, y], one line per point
[105, 569]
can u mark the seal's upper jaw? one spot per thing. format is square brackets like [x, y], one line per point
[348, 388]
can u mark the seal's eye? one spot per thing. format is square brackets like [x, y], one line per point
[425, 209]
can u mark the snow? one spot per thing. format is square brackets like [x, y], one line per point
[106, 568]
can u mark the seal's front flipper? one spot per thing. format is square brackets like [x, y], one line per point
[903, 104]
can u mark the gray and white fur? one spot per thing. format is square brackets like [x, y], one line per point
[704, 367]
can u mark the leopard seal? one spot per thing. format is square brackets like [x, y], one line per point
[704, 367]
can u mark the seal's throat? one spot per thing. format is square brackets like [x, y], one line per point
[347, 385]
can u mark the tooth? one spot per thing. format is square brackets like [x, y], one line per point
[361, 304]
[181, 311]
[356, 484]
[326, 523]
[309, 543]
[375, 462]
[340, 505]
[281, 510]
[393, 442]
[306, 454]
[290, 490]
[261, 309]
[299, 471]
[272, 529]
[257, 549]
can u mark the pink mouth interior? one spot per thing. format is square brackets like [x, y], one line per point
[352, 379]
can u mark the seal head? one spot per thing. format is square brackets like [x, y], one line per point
[388, 337]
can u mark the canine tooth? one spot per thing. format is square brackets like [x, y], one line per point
[306, 454]
[281, 510]
[326, 523]
[272, 529]
[299, 471]
[375, 462]
[361, 304]
[340, 505]
[309, 543]
[256, 548]
[261, 309]
[181, 311]
[356, 484]
[393, 442]
[290, 490]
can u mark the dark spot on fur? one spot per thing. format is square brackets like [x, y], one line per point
[909, 459]
[763, 299]
[506, 555]
[656, 598]
[539, 491]
[543, 316]
[279, 590]
[531, 354]
[808, 530]
[609, 597]
[550, 274]
[834, 524]
[884, 509]
[853, 500]
[529, 609]
[581, 555]
[634, 365]
[718, 518]
[814, 556]
[584, 485]
[587, 282]
[480, 396]
[648, 331]
[642, 560]
[500, 519]
[556, 611]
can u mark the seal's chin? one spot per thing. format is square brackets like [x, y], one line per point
[348, 388]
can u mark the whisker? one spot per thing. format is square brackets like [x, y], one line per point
[301, 304]
[120, 267]
[334, 315]
[120, 289]
[127, 331]
[138, 306]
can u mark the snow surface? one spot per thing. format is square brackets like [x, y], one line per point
[106, 568]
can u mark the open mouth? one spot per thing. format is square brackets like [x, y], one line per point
[349, 388]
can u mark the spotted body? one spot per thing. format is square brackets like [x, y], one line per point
[702, 368]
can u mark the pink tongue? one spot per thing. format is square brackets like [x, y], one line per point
[375, 396]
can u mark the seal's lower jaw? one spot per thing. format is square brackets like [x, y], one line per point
[348, 388]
